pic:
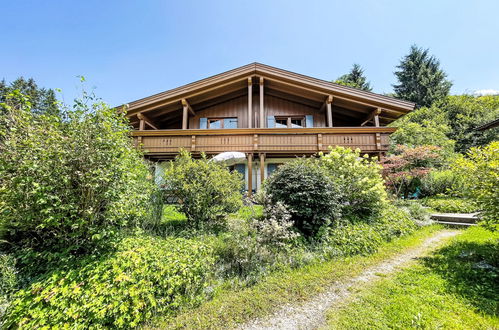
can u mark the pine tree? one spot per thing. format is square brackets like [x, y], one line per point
[43, 101]
[420, 78]
[355, 78]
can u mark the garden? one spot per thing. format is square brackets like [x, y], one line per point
[88, 242]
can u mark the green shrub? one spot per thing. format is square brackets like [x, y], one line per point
[8, 280]
[363, 238]
[72, 182]
[394, 222]
[359, 178]
[312, 198]
[481, 170]
[450, 204]
[143, 277]
[441, 182]
[256, 244]
[417, 212]
[207, 190]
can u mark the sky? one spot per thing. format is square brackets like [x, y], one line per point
[127, 50]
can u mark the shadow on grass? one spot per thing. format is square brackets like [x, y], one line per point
[470, 269]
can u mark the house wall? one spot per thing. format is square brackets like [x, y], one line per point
[273, 106]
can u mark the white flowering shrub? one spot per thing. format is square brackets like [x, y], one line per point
[360, 180]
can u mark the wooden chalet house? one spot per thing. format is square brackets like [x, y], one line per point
[267, 113]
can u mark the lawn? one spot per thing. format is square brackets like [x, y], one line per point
[456, 287]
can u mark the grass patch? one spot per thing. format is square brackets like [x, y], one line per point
[231, 306]
[454, 288]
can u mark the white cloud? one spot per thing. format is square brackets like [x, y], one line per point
[482, 92]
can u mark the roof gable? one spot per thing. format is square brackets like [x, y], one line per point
[235, 81]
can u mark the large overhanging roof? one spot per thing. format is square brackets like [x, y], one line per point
[235, 82]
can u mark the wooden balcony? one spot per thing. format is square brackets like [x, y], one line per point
[263, 140]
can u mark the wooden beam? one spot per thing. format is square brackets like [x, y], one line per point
[250, 174]
[146, 120]
[373, 115]
[293, 98]
[262, 169]
[250, 103]
[185, 116]
[262, 113]
[185, 103]
[329, 114]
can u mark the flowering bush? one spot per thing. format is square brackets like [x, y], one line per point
[362, 186]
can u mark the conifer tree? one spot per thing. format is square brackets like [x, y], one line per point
[355, 78]
[420, 78]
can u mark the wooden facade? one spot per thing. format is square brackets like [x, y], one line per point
[265, 112]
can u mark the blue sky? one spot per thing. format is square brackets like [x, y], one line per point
[132, 49]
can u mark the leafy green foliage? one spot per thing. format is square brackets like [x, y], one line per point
[306, 189]
[420, 78]
[207, 190]
[355, 78]
[481, 169]
[449, 124]
[442, 182]
[69, 183]
[359, 178]
[143, 277]
[346, 238]
[446, 204]
[43, 101]
[8, 280]
[417, 212]
[427, 134]
[465, 113]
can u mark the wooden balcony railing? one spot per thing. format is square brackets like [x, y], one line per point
[263, 140]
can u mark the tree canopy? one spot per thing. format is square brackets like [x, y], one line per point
[42, 100]
[420, 78]
[450, 123]
[355, 78]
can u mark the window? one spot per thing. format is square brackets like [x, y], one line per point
[290, 122]
[215, 123]
[271, 168]
[281, 123]
[297, 123]
[230, 123]
[218, 123]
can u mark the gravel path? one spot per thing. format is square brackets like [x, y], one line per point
[311, 315]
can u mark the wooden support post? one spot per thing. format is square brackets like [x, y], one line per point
[142, 126]
[319, 142]
[376, 117]
[146, 120]
[250, 102]
[373, 115]
[185, 117]
[262, 169]
[329, 115]
[262, 112]
[250, 174]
